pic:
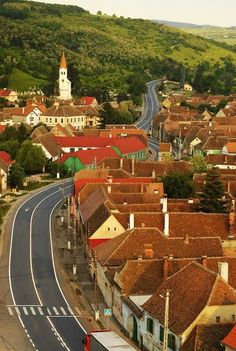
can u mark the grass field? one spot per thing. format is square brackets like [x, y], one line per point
[21, 81]
[226, 35]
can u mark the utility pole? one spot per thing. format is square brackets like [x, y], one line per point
[180, 142]
[166, 322]
[160, 132]
[96, 288]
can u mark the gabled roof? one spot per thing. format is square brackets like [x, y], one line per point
[129, 145]
[49, 142]
[191, 289]
[5, 92]
[91, 204]
[206, 337]
[230, 339]
[231, 147]
[88, 100]
[131, 245]
[88, 157]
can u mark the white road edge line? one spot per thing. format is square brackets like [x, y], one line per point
[52, 253]
[11, 242]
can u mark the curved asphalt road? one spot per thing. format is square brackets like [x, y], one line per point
[32, 276]
[151, 107]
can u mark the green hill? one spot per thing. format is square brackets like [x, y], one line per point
[103, 52]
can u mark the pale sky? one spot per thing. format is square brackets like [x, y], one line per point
[215, 12]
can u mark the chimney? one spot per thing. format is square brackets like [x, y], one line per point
[232, 227]
[204, 261]
[148, 250]
[109, 189]
[109, 179]
[142, 225]
[23, 110]
[131, 221]
[171, 256]
[164, 204]
[153, 173]
[186, 241]
[165, 267]
[133, 164]
[226, 159]
[228, 186]
[142, 188]
[166, 224]
[121, 163]
[223, 268]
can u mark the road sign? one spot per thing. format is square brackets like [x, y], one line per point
[107, 312]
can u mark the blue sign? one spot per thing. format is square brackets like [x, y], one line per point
[107, 312]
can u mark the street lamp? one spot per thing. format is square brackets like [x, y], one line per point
[166, 319]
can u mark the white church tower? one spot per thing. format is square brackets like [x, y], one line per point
[64, 83]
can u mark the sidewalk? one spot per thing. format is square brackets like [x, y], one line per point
[82, 285]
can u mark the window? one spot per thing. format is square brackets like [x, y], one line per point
[150, 325]
[114, 228]
[55, 120]
[161, 333]
[171, 342]
[108, 228]
[217, 319]
[61, 120]
[46, 120]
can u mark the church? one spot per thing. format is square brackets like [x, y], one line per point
[64, 82]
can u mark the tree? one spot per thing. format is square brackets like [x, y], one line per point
[31, 158]
[16, 176]
[53, 168]
[11, 147]
[23, 133]
[212, 197]
[198, 164]
[179, 186]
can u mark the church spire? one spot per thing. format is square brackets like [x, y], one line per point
[63, 61]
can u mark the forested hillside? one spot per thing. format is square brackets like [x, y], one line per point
[104, 52]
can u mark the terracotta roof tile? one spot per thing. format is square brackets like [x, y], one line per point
[230, 339]
[183, 288]
[206, 337]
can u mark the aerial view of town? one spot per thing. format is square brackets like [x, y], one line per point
[117, 175]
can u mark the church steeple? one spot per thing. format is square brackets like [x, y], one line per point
[64, 83]
[63, 61]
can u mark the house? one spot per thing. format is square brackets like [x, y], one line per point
[75, 161]
[230, 340]
[213, 301]
[188, 87]
[5, 163]
[130, 147]
[64, 115]
[214, 144]
[59, 130]
[207, 337]
[9, 95]
[164, 151]
[229, 148]
[49, 145]
[89, 101]
[29, 114]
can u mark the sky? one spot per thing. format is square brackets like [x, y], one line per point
[213, 12]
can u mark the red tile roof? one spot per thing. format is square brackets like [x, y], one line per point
[129, 145]
[230, 339]
[5, 92]
[87, 100]
[5, 157]
[88, 157]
